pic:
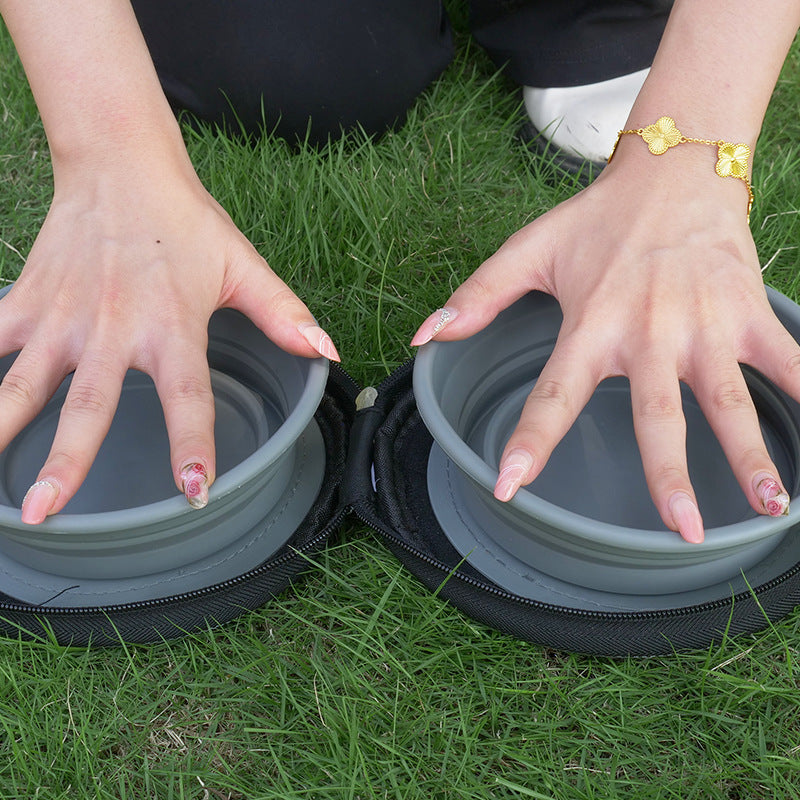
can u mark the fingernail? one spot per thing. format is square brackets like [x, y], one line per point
[319, 340]
[772, 495]
[513, 470]
[194, 479]
[686, 517]
[433, 325]
[38, 501]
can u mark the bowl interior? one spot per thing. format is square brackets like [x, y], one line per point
[588, 519]
[596, 470]
[133, 465]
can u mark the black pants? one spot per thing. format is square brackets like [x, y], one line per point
[341, 63]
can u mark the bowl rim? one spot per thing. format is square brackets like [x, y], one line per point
[577, 525]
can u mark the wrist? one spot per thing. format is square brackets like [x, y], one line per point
[664, 152]
[116, 136]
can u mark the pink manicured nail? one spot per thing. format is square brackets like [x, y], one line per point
[513, 471]
[772, 496]
[433, 325]
[319, 340]
[194, 479]
[38, 501]
[686, 517]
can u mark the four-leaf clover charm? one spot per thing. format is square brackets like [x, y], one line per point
[661, 135]
[732, 160]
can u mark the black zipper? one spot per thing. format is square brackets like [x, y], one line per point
[176, 599]
[451, 572]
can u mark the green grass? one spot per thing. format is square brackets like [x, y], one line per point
[359, 684]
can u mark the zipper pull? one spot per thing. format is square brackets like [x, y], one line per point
[366, 398]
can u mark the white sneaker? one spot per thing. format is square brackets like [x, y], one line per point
[583, 121]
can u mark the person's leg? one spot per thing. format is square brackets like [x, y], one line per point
[339, 64]
[569, 42]
[581, 63]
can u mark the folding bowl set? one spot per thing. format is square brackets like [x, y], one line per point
[565, 564]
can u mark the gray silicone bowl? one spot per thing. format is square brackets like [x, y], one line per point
[125, 540]
[588, 520]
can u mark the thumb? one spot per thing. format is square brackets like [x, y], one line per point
[514, 270]
[263, 297]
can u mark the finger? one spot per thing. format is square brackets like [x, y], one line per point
[725, 399]
[489, 290]
[260, 294]
[773, 351]
[661, 435]
[26, 387]
[562, 389]
[84, 421]
[183, 383]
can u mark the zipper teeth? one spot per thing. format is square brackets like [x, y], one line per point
[267, 566]
[576, 612]
[345, 375]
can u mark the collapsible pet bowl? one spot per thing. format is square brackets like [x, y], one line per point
[128, 534]
[587, 527]
[367, 453]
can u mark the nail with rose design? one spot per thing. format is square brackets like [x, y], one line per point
[194, 480]
[772, 495]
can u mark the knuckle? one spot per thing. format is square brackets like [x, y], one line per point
[669, 477]
[174, 325]
[86, 399]
[479, 289]
[730, 396]
[283, 301]
[532, 438]
[791, 366]
[188, 387]
[552, 393]
[101, 359]
[526, 433]
[65, 466]
[660, 408]
[196, 446]
[19, 389]
[756, 457]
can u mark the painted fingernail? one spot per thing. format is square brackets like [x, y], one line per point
[433, 325]
[319, 340]
[773, 496]
[194, 479]
[513, 471]
[686, 517]
[39, 501]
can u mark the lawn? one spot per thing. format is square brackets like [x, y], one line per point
[358, 683]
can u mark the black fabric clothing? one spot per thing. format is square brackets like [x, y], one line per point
[548, 43]
[339, 64]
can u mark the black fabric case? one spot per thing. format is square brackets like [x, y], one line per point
[389, 440]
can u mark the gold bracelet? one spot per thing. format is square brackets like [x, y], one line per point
[663, 134]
